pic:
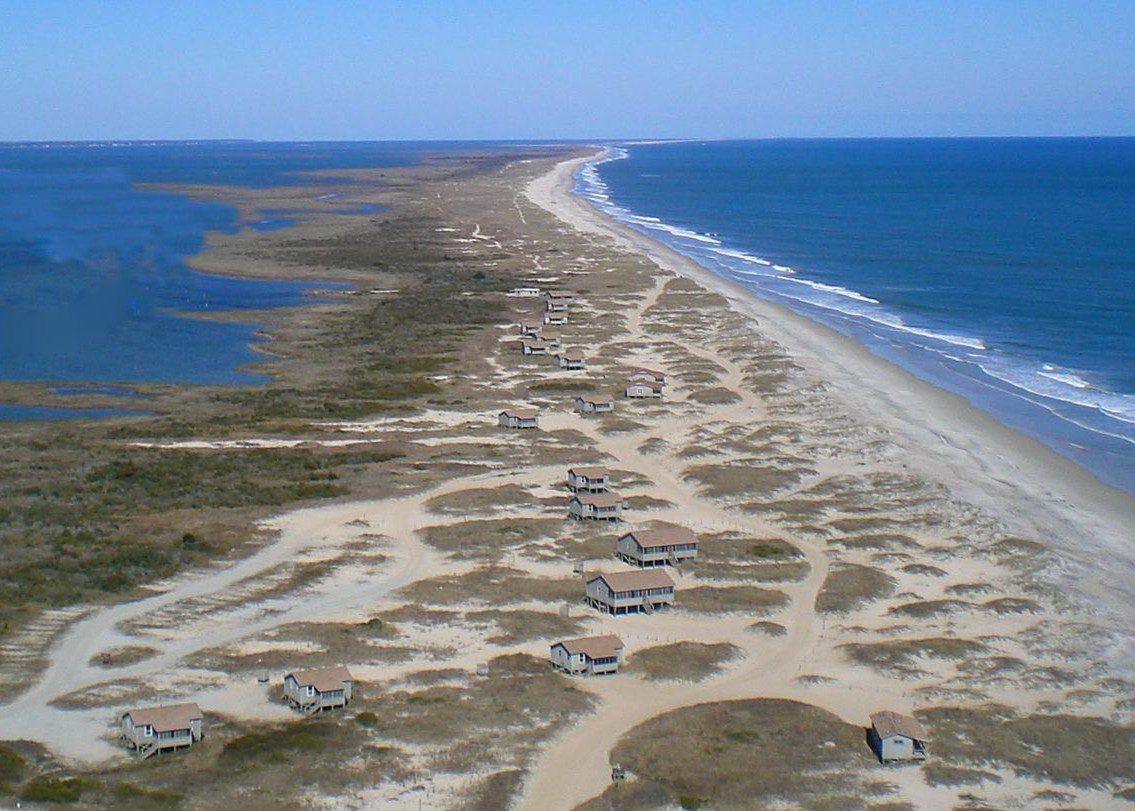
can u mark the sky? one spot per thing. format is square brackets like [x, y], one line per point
[337, 70]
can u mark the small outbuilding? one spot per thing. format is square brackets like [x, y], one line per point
[596, 506]
[588, 656]
[640, 590]
[897, 737]
[312, 691]
[591, 479]
[519, 418]
[594, 404]
[640, 390]
[572, 359]
[658, 547]
[153, 730]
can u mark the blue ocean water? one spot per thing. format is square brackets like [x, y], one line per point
[93, 283]
[999, 269]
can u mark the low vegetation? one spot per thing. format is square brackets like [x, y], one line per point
[681, 661]
[849, 586]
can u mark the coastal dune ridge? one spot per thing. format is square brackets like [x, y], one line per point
[1018, 479]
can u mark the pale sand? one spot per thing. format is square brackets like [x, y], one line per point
[1014, 477]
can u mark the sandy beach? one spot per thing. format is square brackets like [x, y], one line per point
[866, 541]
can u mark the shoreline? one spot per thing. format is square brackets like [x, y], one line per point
[983, 460]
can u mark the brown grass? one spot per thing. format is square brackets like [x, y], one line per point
[489, 539]
[681, 661]
[519, 626]
[494, 585]
[725, 599]
[727, 481]
[849, 586]
[900, 656]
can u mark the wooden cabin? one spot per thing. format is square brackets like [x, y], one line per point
[312, 691]
[530, 329]
[557, 301]
[658, 547]
[556, 318]
[647, 376]
[533, 346]
[519, 418]
[592, 479]
[896, 737]
[596, 506]
[593, 404]
[640, 590]
[639, 390]
[153, 730]
[571, 360]
[588, 656]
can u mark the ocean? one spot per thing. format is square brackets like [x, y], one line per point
[93, 282]
[1002, 270]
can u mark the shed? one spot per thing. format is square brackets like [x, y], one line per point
[897, 737]
[312, 691]
[152, 730]
[589, 655]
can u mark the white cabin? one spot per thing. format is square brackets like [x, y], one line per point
[519, 418]
[639, 390]
[594, 405]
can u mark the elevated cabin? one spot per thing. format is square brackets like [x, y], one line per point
[571, 360]
[592, 479]
[640, 390]
[588, 656]
[525, 292]
[552, 340]
[557, 301]
[592, 404]
[530, 329]
[153, 730]
[518, 418]
[897, 737]
[640, 590]
[555, 318]
[658, 547]
[647, 376]
[596, 506]
[533, 346]
[312, 691]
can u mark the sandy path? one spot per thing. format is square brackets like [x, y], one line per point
[79, 734]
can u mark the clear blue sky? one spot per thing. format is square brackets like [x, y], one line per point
[87, 69]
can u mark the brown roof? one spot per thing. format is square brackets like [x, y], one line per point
[599, 499]
[889, 723]
[571, 354]
[650, 384]
[559, 293]
[521, 413]
[167, 717]
[531, 325]
[324, 680]
[534, 342]
[654, 372]
[595, 398]
[593, 472]
[593, 647]
[667, 536]
[637, 579]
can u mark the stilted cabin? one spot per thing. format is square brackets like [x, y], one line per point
[525, 292]
[552, 340]
[519, 418]
[556, 318]
[153, 730]
[592, 404]
[647, 376]
[596, 506]
[571, 360]
[312, 691]
[530, 329]
[641, 590]
[640, 390]
[533, 346]
[557, 301]
[588, 656]
[592, 479]
[897, 737]
[658, 547]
